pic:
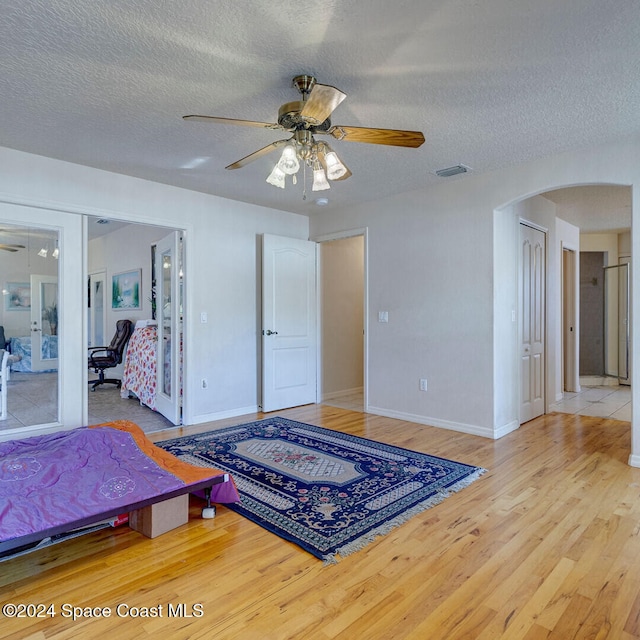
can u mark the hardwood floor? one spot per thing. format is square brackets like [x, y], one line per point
[546, 544]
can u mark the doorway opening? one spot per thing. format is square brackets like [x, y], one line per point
[125, 253]
[342, 339]
[592, 314]
[602, 216]
[604, 320]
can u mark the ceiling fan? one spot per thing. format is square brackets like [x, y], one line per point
[10, 247]
[305, 119]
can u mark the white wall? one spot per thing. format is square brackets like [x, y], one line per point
[126, 249]
[222, 265]
[606, 242]
[434, 266]
[430, 258]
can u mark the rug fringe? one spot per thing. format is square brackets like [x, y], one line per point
[394, 523]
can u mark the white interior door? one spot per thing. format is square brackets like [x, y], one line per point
[169, 315]
[289, 323]
[44, 322]
[532, 288]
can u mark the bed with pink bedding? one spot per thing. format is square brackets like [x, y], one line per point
[60, 482]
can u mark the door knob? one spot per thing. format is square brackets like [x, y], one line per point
[271, 333]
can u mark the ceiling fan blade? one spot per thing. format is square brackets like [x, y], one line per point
[257, 154]
[244, 123]
[392, 137]
[323, 99]
[11, 247]
[323, 162]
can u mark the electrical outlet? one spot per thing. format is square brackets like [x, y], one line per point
[423, 384]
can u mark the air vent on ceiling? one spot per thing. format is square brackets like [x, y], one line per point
[452, 171]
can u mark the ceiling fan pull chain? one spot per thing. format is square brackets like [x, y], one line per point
[304, 181]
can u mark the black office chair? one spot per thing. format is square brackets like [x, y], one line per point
[4, 343]
[101, 358]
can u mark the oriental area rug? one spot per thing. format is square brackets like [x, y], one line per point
[328, 492]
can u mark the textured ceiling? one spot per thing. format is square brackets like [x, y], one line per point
[490, 83]
[594, 208]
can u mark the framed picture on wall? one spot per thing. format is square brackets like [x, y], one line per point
[18, 296]
[125, 290]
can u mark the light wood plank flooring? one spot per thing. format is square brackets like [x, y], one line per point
[545, 545]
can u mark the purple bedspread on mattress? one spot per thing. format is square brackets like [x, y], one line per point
[49, 480]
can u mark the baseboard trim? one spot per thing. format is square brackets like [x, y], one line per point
[332, 395]
[474, 430]
[634, 460]
[222, 415]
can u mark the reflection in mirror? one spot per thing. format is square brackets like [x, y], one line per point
[29, 259]
[167, 274]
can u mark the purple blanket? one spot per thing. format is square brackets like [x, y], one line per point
[49, 480]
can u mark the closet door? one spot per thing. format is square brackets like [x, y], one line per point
[532, 285]
[66, 393]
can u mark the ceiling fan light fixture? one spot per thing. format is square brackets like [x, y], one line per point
[335, 168]
[319, 180]
[43, 253]
[276, 177]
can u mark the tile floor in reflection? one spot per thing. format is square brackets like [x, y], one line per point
[32, 398]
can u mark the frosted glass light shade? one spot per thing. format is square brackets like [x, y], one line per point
[276, 177]
[335, 168]
[320, 180]
[289, 160]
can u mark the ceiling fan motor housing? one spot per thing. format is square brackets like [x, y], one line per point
[290, 119]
